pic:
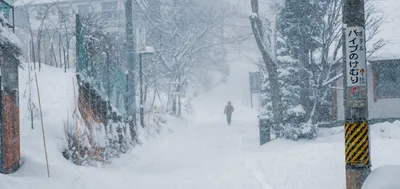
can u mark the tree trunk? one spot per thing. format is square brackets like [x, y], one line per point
[59, 50]
[68, 48]
[33, 53]
[305, 93]
[39, 54]
[270, 64]
[53, 50]
[65, 62]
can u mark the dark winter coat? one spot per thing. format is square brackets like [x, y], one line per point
[229, 109]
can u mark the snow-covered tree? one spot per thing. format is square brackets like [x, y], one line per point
[311, 33]
[301, 60]
[271, 97]
[185, 33]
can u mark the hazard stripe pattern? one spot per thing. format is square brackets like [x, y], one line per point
[357, 143]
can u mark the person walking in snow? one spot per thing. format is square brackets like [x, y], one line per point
[228, 112]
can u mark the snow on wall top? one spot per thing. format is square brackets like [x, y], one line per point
[6, 36]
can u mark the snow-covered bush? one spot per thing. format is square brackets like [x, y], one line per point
[96, 143]
[76, 144]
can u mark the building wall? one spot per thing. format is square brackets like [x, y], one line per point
[377, 108]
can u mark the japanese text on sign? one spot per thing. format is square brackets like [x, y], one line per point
[355, 56]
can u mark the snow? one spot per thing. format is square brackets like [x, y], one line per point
[385, 177]
[298, 110]
[200, 151]
[149, 49]
[253, 15]
[6, 33]
[332, 80]
[197, 151]
[288, 59]
[388, 29]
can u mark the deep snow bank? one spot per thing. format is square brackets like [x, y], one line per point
[57, 100]
[385, 177]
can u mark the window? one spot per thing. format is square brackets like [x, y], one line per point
[110, 10]
[83, 9]
[387, 80]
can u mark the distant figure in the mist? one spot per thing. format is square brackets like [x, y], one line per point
[228, 112]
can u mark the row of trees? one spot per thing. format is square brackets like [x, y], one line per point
[50, 37]
[187, 35]
[301, 48]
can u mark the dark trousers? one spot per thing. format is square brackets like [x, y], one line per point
[229, 118]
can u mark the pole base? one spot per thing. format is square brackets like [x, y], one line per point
[355, 177]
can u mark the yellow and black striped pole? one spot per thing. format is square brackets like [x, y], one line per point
[357, 140]
[357, 143]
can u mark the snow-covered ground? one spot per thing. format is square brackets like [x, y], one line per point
[199, 152]
[385, 177]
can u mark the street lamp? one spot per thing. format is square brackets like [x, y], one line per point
[146, 50]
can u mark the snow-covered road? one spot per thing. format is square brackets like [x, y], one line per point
[205, 152]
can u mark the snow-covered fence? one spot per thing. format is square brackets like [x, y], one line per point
[104, 129]
[102, 133]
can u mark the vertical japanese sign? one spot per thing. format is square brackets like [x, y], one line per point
[356, 69]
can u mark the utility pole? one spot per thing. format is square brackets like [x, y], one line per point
[131, 88]
[357, 141]
[142, 49]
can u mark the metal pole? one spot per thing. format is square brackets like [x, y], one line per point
[357, 140]
[13, 17]
[141, 90]
[251, 99]
[44, 136]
